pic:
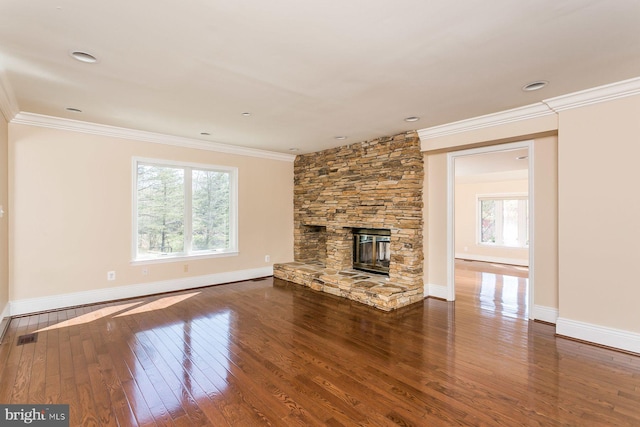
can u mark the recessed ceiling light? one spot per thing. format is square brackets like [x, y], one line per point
[412, 119]
[340, 138]
[205, 133]
[530, 87]
[294, 149]
[74, 110]
[522, 157]
[246, 114]
[84, 57]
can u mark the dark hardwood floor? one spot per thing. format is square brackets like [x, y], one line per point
[495, 287]
[272, 353]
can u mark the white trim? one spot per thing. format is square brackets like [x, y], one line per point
[188, 253]
[545, 314]
[451, 156]
[5, 312]
[8, 104]
[187, 213]
[134, 209]
[516, 195]
[54, 302]
[495, 119]
[173, 163]
[547, 107]
[5, 321]
[451, 215]
[40, 120]
[436, 291]
[532, 208]
[182, 258]
[595, 95]
[610, 337]
[495, 259]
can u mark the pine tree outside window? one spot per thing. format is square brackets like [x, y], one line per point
[183, 210]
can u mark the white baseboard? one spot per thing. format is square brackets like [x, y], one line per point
[5, 312]
[4, 322]
[34, 305]
[497, 260]
[546, 314]
[610, 337]
[436, 291]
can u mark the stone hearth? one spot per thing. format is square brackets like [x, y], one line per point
[375, 185]
[371, 289]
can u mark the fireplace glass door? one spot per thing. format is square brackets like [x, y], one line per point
[372, 250]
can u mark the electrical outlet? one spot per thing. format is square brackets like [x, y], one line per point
[111, 275]
[267, 258]
[186, 268]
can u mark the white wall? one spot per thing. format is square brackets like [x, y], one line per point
[586, 237]
[598, 215]
[71, 222]
[435, 224]
[466, 222]
[545, 193]
[4, 221]
[545, 269]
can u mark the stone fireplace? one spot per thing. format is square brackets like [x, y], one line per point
[374, 185]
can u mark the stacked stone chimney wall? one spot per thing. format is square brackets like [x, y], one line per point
[373, 184]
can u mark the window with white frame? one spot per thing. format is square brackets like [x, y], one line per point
[503, 221]
[183, 209]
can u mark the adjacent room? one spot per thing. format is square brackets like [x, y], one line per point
[491, 228]
[359, 213]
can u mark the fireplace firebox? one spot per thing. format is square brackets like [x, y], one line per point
[372, 250]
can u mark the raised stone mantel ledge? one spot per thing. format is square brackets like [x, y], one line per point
[371, 289]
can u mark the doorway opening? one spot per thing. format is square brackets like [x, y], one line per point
[490, 227]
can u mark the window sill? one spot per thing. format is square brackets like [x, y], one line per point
[496, 245]
[182, 258]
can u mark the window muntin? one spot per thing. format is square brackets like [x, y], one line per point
[183, 210]
[503, 221]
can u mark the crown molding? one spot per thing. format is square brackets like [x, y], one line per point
[595, 95]
[50, 122]
[8, 105]
[495, 119]
[546, 107]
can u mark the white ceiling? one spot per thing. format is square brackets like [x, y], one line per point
[505, 165]
[306, 71]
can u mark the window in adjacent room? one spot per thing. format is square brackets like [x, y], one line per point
[183, 210]
[504, 221]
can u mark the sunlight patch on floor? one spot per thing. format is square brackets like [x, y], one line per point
[90, 317]
[159, 304]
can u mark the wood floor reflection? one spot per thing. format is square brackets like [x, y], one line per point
[495, 287]
[272, 353]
